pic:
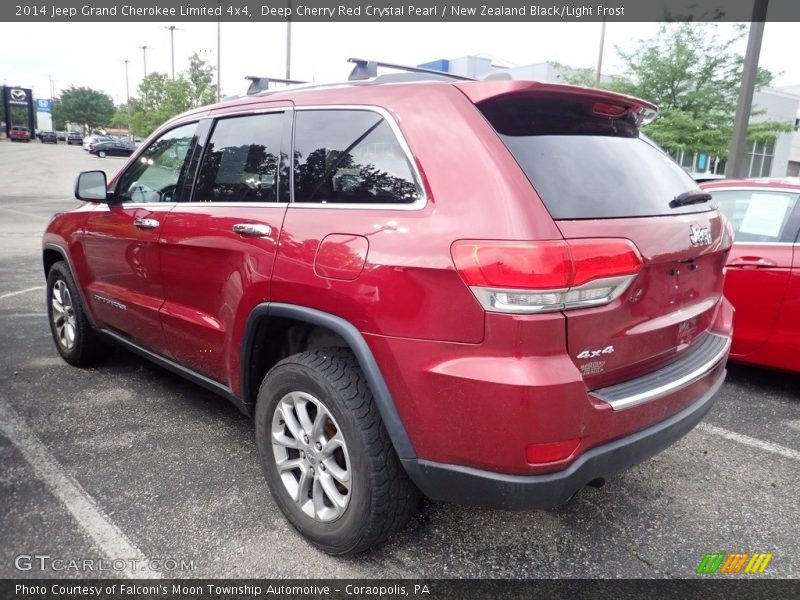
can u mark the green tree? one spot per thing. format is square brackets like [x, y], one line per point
[86, 106]
[59, 120]
[120, 118]
[199, 77]
[160, 98]
[693, 76]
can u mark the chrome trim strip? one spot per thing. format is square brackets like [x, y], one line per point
[672, 386]
[418, 204]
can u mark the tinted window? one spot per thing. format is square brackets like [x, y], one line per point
[758, 216]
[240, 163]
[155, 174]
[349, 156]
[586, 167]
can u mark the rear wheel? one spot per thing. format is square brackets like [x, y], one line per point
[75, 340]
[326, 455]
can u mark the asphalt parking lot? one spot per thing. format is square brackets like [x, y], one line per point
[127, 460]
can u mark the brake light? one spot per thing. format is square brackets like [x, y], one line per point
[605, 109]
[527, 277]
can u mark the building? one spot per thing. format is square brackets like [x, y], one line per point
[794, 150]
[773, 159]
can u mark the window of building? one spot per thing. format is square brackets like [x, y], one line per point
[350, 156]
[240, 163]
[758, 158]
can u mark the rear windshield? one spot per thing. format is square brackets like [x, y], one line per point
[588, 167]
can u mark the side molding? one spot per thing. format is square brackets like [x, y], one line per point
[351, 335]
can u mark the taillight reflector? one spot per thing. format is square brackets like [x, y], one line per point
[550, 451]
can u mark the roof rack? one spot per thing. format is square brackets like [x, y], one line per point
[367, 69]
[261, 84]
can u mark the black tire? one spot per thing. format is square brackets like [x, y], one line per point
[101, 153]
[382, 497]
[87, 348]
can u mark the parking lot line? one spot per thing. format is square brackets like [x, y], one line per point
[25, 291]
[108, 537]
[749, 441]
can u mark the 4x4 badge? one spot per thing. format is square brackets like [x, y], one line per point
[700, 236]
[595, 353]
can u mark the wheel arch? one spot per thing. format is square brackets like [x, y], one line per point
[51, 254]
[258, 324]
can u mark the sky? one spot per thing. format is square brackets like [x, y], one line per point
[92, 55]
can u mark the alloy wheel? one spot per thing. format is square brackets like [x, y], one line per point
[311, 456]
[63, 315]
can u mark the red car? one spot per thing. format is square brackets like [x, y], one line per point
[18, 133]
[763, 270]
[492, 292]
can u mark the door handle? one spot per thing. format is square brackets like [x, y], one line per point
[252, 229]
[146, 223]
[752, 262]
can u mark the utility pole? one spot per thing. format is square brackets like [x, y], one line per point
[144, 57]
[600, 54]
[172, 30]
[52, 87]
[735, 164]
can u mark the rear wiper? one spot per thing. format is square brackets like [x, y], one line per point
[690, 197]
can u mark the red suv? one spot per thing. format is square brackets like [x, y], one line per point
[490, 292]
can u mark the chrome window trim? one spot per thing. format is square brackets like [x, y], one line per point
[775, 190]
[418, 204]
[672, 386]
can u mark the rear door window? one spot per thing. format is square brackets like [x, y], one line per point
[241, 160]
[759, 215]
[584, 166]
[350, 156]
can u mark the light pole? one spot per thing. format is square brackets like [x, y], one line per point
[219, 39]
[52, 87]
[172, 30]
[128, 98]
[144, 57]
[289, 42]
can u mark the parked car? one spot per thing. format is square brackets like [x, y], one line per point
[48, 137]
[490, 292]
[19, 134]
[763, 270]
[74, 137]
[61, 135]
[92, 139]
[112, 148]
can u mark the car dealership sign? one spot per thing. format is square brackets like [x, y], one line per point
[19, 96]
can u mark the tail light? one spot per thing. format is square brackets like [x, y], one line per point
[531, 277]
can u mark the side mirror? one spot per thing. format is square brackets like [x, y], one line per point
[90, 186]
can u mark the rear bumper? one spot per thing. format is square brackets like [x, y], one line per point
[466, 485]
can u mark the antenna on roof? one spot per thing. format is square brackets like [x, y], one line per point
[367, 69]
[261, 84]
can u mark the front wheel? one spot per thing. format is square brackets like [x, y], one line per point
[75, 340]
[102, 154]
[326, 454]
